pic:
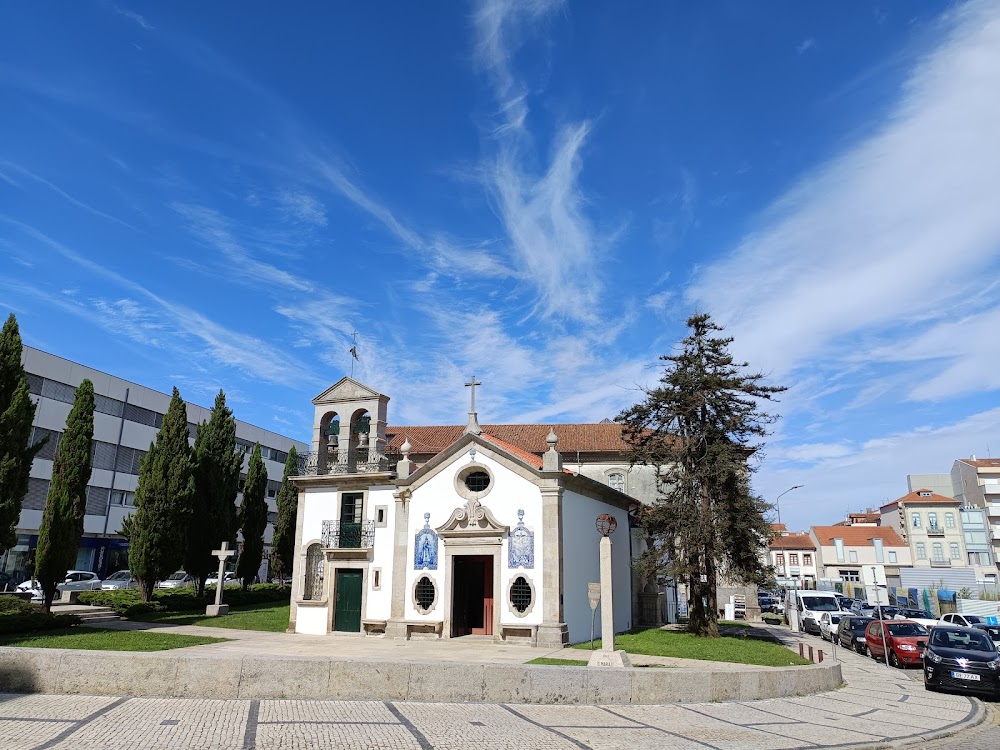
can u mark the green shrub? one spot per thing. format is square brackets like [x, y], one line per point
[15, 605]
[32, 621]
[119, 599]
[125, 602]
[142, 608]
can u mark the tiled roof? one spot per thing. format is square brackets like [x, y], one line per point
[524, 455]
[793, 541]
[865, 517]
[778, 527]
[605, 437]
[857, 536]
[982, 463]
[915, 497]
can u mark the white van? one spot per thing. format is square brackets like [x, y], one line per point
[809, 606]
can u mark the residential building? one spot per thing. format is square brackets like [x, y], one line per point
[794, 559]
[127, 417]
[869, 517]
[939, 484]
[931, 526]
[976, 483]
[843, 550]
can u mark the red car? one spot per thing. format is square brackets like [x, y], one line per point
[904, 641]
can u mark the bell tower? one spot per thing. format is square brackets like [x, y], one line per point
[349, 430]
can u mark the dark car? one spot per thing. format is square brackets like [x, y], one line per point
[851, 633]
[962, 659]
[993, 631]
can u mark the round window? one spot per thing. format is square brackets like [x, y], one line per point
[520, 594]
[477, 481]
[424, 594]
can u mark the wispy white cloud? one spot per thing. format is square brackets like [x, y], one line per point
[129, 318]
[215, 343]
[886, 236]
[300, 207]
[131, 15]
[805, 45]
[10, 166]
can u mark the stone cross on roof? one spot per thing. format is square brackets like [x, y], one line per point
[473, 426]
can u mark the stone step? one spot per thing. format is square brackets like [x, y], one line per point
[96, 614]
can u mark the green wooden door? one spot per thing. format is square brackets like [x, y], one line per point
[347, 616]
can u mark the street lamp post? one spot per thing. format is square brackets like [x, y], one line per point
[778, 507]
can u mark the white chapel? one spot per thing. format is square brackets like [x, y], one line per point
[446, 532]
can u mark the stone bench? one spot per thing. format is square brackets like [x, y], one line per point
[521, 634]
[373, 627]
[423, 628]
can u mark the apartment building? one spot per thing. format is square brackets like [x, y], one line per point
[930, 525]
[126, 420]
[844, 550]
[976, 482]
[794, 558]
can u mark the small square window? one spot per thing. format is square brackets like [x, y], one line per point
[381, 515]
[376, 579]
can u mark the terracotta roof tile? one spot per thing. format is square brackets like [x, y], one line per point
[604, 437]
[793, 541]
[982, 463]
[857, 536]
[524, 455]
[778, 527]
[915, 497]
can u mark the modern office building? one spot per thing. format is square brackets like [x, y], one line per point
[126, 419]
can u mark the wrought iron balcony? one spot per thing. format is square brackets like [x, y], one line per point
[938, 562]
[935, 531]
[339, 535]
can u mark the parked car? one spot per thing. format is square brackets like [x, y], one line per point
[922, 616]
[993, 631]
[903, 644]
[828, 625]
[176, 580]
[962, 659]
[811, 605]
[851, 632]
[76, 580]
[229, 579]
[862, 608]
[963, 621]
[121, 580]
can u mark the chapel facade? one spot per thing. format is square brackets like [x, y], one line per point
[475, 536]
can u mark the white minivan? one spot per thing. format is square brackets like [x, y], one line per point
[810, 606]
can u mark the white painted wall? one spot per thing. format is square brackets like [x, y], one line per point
[510, 492]
[582, 564]
[311, 620]
[378, 604]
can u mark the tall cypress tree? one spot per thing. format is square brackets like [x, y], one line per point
[62, 520]
[163, 501]
[698, 428]
[17, 411]
[253, 518]
[284, 527]
[217, 479]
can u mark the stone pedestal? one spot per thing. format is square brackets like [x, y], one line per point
[609, 659]
[552, 635]
[395, 629]
[214, 610]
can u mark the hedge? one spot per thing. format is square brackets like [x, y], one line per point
[20, 616]
[127, 602]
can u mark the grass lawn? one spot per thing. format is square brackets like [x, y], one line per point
[269, 616]
[546, 661]
[101, 639]
[655, 642]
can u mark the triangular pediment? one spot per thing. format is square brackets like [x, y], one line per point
[460, 447]
[347, 389]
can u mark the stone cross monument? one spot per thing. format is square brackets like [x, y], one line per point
[607, 656]
[214, 610]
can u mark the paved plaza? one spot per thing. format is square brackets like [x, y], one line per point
[877, 707]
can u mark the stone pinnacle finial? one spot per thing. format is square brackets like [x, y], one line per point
[551, 459]
[405, 448]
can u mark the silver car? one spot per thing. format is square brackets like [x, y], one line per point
[177, 580]
[121, 580]
[76, 580]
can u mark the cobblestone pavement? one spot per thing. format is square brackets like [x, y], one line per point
[878, 707]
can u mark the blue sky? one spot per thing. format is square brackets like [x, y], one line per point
[219, 195]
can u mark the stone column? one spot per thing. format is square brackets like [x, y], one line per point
[607, 656]
[553, 631]
[396, 626]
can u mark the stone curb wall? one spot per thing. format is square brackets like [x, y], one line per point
[169, 674]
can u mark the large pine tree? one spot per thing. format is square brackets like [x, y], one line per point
[284, 527]
[62, 520]
[163, 501]
[698, 428]
[17, 412]
[253, 518]
[217, 480]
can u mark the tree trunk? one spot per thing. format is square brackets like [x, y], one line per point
[146, 585]
[200, 585]
[48, 595]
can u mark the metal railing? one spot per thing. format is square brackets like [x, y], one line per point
[360, 461]
[935, 531]
[940, 562]
[340, 535]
